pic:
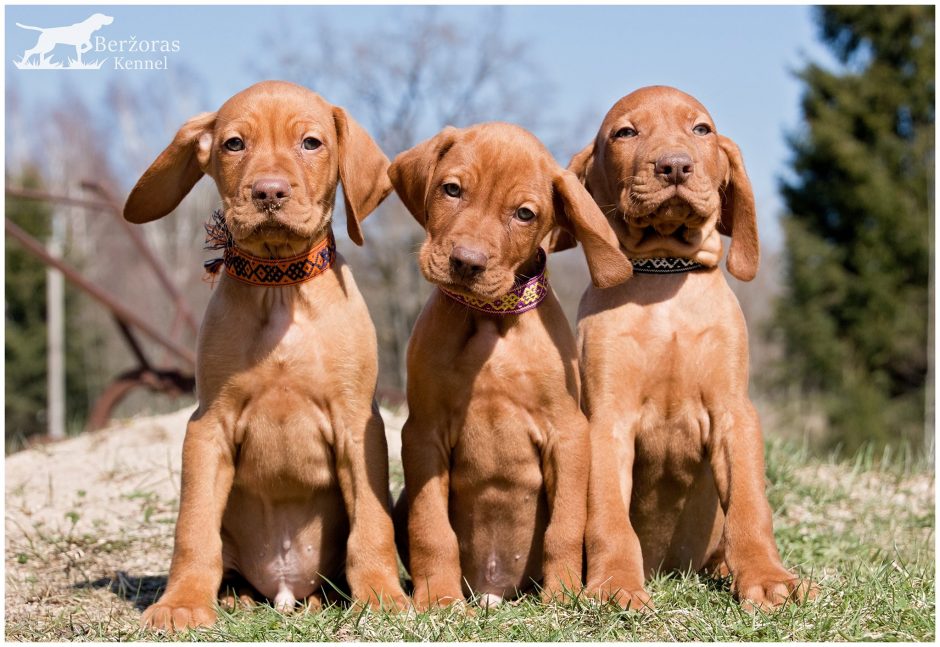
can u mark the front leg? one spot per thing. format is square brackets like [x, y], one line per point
[362, 469]
[566, 458]
[434, 554]
[614, 557]
[759, 578]
[196, 569]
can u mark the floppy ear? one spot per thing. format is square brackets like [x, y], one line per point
[174, 173]
[577, 212]
[362, 170]
[412, 170]
[559, 238]
[582, 162]
[738, 215]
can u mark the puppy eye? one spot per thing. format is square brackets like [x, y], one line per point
[312, 143]
[452, 189]
[625, 132]
[234, 144]
[525, 215]
[701, 130]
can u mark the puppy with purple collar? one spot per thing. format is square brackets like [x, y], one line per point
[495, 449]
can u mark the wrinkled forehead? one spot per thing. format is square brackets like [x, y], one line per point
[273, 105]
[656, 103]
[498, 154]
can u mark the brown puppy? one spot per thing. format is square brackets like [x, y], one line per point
[495, 448]
[285, 470]
[664, 361]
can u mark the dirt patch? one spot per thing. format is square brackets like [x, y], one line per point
[89, 527]
[96, 481]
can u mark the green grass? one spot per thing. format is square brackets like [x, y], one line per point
[863, 529]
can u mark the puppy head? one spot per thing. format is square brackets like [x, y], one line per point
[673, 182]
[276, 152]
[486, 196]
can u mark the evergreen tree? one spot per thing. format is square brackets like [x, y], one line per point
[25, 345]
[858, 230]
[25, 319]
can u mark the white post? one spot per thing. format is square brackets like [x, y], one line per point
[55, 331]
[930, 390]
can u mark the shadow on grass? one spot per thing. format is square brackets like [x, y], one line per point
[711, 582]
[145, 590]
[141, 591]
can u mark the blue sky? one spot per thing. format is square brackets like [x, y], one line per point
[737, 60]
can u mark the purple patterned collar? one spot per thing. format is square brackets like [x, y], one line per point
[524, 296]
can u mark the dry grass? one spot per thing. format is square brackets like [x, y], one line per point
[89, 534]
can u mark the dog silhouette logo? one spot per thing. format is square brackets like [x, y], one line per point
[39, 57]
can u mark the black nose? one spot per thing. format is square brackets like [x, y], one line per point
[271, 192]
[675, 167]
[467, 263]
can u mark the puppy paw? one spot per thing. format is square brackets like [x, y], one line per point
[434, 599]
[630, 599]
[381, 594]
[622, 591]
[232, 597]
[560, 589]
[395, 601]
[231, 601]
[771, 589]
[717, 569]
[178, 614]
[313, 603]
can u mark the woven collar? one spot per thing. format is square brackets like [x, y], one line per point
[664, 265]
[272, 272]
[524, 296]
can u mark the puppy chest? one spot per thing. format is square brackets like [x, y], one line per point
[495, 481]
[301, 340]
[496, 451]
[670, 440]
[284, 444]
[505, 417]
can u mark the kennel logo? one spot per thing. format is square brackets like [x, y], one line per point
[124, 54]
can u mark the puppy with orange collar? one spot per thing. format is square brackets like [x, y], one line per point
[285, 467]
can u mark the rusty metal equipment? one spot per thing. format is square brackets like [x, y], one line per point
[168, 381]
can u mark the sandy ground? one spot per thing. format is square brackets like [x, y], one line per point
[101, 475]
[94, 516]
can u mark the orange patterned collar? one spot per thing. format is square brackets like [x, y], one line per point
[272, 272]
